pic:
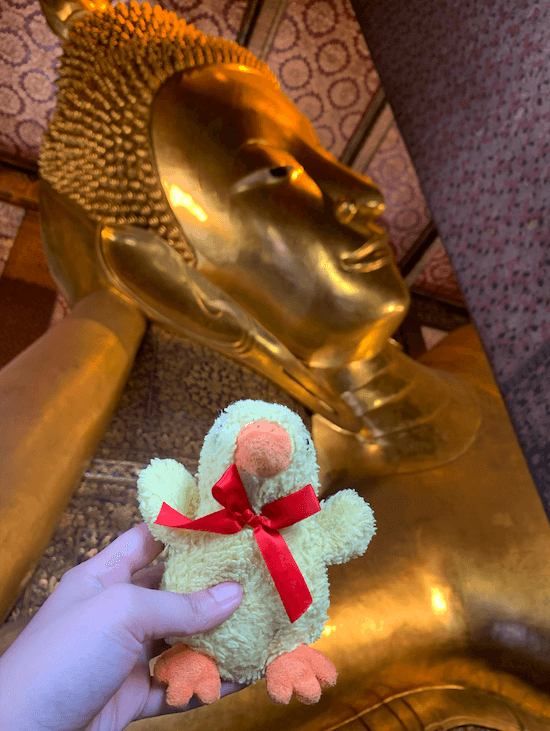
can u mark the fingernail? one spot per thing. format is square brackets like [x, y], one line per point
[227, 593]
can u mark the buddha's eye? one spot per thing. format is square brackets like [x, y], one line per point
[262, 178]
[280, 172]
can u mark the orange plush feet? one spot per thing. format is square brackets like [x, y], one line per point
[303, 671]
[187, 672]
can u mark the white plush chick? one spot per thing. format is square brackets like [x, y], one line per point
[275, 456]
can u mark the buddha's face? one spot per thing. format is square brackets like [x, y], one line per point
[276, 221]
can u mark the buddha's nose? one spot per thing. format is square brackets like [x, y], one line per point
[263, 449]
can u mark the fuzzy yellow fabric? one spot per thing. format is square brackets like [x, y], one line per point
[259, 630]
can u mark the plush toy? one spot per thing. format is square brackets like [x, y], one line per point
[253, 518]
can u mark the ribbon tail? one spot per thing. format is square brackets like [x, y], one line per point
[219, 522]
[292, 508]
[171, 518]
[284, 570]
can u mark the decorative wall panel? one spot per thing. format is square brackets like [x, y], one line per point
[212, 17]
[406, 213]
[438, 278]
[322, 63]
[28, 60]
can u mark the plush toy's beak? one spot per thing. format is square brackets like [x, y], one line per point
[263, 449]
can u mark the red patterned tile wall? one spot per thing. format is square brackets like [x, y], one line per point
[406, 213]
[321, 61]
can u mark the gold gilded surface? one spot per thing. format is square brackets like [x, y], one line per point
[445, 620]
[461, 352]
[413, 417]
[257, 200]
[144, 267]
[57, 399]
[68, 236]
[96, 151]
[288, 232]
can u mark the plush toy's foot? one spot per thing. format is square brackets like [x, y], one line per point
[303, 671]
[187, 672]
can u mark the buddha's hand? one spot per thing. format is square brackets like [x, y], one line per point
[83, 660]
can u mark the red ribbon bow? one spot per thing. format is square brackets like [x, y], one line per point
[236, 514]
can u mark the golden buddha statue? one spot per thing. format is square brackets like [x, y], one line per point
[180, 187]
[247, 236]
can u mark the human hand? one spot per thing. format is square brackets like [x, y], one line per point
[82, 663]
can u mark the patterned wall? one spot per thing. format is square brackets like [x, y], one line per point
[406, 213]
[321, 60]
[28, 59]
[469, 82]
[438, 277]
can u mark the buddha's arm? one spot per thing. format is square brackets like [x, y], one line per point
[56, 401]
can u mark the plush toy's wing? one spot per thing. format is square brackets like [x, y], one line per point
[347, 525]
[166, 480]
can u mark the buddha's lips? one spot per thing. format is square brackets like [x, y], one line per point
[370, 256]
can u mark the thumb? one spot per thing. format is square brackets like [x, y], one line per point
[153, 615]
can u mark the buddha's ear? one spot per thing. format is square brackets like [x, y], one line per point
[61, 14]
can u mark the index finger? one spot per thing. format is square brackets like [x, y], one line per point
[130, 552]
[116, 564]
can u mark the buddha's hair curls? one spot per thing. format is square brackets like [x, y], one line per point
[96, 150]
